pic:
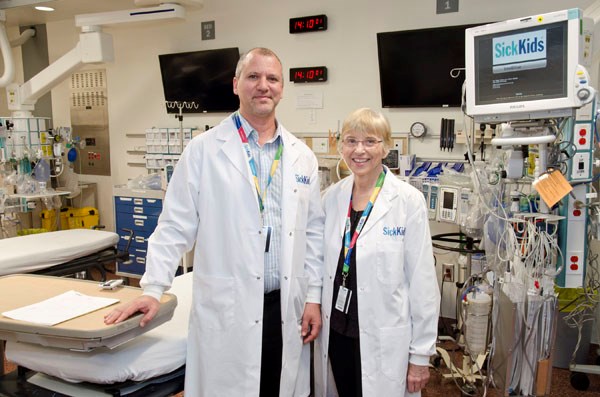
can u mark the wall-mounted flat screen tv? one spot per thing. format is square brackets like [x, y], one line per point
[200, 81]
[415, 65]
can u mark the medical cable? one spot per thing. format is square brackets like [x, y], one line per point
[530, 249]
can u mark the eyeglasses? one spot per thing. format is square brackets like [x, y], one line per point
[353, 142]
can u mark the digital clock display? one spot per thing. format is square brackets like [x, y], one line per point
[308, 75]
[308, 24]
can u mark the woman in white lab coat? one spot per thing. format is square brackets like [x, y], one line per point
[380, 301]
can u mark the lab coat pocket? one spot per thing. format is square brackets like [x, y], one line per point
[216, 302]
[303, 197]
[393, 347]
[299, 297]
[390, 262]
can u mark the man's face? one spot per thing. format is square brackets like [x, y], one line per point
[260, 85]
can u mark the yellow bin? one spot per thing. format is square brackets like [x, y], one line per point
[83, 218]
[49, 221]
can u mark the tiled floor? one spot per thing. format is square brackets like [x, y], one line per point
[440, 387]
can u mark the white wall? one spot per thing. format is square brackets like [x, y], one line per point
[348, 48]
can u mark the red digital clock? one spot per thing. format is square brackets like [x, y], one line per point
[308, 75]
[308, 24]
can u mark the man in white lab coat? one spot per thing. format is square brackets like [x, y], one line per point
[246, 193]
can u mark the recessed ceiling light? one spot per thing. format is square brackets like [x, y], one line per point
[42, 8]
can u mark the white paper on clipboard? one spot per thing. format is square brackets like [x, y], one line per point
[59, 308]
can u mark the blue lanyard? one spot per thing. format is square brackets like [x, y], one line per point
[276, 160]
[350, 243]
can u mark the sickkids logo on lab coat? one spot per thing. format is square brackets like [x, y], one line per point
[394, 231]
[303, 179]
[523, 51]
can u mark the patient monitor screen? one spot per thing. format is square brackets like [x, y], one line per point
[448, 200]
[521, 65]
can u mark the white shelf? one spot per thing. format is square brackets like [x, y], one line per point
[38, 195]
[134, 164]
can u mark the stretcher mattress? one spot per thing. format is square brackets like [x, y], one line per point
[27, 254]
[158, 351]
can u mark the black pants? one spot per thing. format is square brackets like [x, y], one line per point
[344, 354]
[272, 345]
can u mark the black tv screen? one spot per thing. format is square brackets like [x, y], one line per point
[415, 65]
[202, 81]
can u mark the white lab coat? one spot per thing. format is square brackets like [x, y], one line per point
[211, 201]
[397, 290]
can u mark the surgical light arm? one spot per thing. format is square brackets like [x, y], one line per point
[93, 47]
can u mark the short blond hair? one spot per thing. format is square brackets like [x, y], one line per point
[370, 122]
[258, 50]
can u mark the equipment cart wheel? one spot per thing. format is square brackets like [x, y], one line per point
[580, 381]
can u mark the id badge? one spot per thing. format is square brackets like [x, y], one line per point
[343, 299]
[266, 231]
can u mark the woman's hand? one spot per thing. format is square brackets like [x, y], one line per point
[417, 378]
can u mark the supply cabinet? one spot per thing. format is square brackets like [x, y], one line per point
[137, 210]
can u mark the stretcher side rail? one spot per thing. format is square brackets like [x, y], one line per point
[97, 260]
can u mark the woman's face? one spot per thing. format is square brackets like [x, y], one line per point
[363, 153]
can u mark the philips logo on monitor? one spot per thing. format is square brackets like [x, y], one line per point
[524, 51]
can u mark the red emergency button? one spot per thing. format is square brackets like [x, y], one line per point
[574, 258]
[577, 212]
[574, 266]
[582, 141]
[582, 132]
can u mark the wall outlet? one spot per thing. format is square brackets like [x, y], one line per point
[320, 145]
[448, 272]
[399, 144]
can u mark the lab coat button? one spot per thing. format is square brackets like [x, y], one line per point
[285, 277]
[291, 233]
[256, 321]
[258, 277]
[295, 190]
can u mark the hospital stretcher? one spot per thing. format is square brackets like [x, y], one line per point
[151, 363]
[60, 253]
